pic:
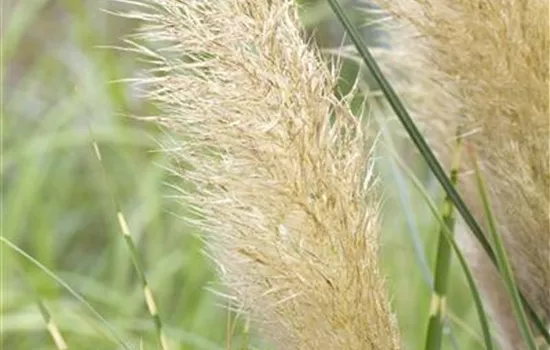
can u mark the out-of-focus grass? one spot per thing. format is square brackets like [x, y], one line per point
[409, 284]
[58, 93]
[57, 206]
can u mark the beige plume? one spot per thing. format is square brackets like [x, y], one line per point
[481, 67]
[278, 170]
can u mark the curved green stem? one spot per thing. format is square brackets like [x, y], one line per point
[503, 262]
[442, 269]
[447, 234]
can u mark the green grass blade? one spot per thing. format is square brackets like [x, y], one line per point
[71, 290]
[56, 335]
[413, 230]
[125, 230]
[443, 263]
[402, 189]
[423, 147]
[461, 259]
[49, 321]
[503, 261]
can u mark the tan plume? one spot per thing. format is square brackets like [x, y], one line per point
[480, 67]
[281, 171]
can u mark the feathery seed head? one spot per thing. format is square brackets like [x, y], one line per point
[481, 67]
[280, 169]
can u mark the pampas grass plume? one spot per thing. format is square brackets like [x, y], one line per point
[277, 169]
[481, 68]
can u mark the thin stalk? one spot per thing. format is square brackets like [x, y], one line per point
[67, 287]
[413, 231]
[503, 261]
[436, 321]
[125, 231]
[246, 333]
[49, 321]
[424, 149]
[52, 327]
[461, 259]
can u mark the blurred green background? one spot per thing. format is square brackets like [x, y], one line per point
[62, 89]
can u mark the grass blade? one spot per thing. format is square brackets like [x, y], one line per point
[51, 326]
[443, 263]
[63, 284]
[502, 260]
[461, 259]
[125, 230]
[413, 230]
[423, 147]
[56, 335]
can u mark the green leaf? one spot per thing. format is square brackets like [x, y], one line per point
[442, 268]
[447, 234]
[503, 261]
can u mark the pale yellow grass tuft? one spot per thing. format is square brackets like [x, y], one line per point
[480, 67]
[280, 170]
